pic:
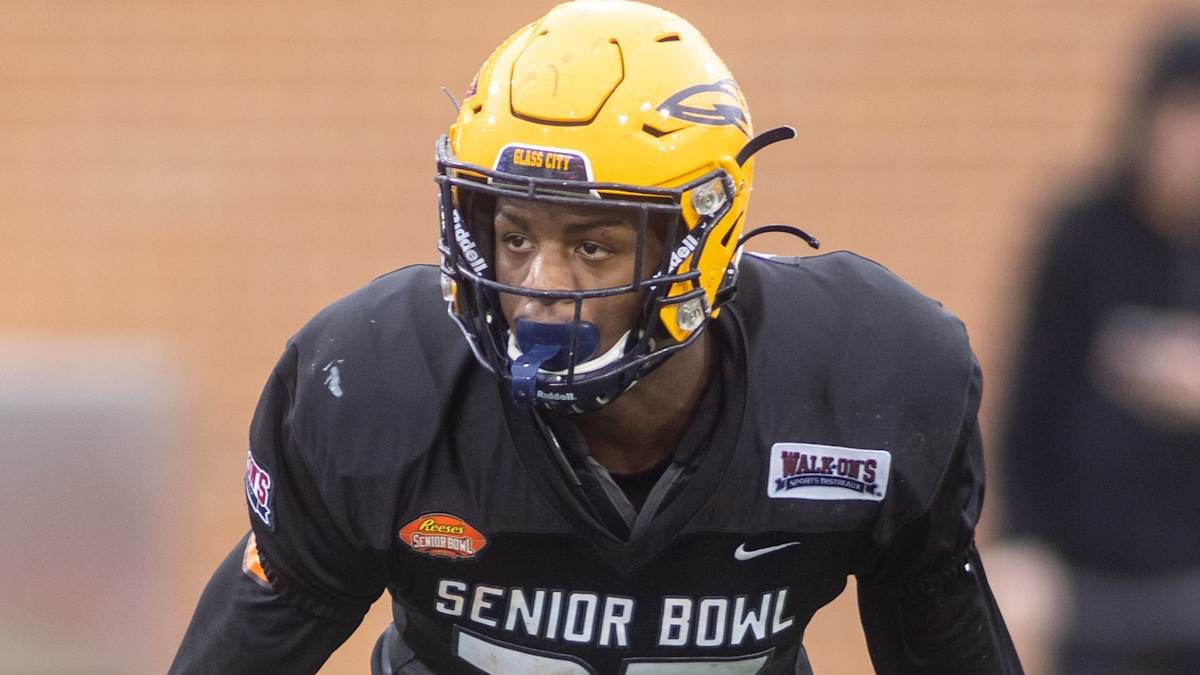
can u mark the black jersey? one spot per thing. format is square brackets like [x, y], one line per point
[845, 442]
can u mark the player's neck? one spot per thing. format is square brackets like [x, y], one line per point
[641, 427]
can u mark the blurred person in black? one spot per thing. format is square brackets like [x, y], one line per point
[1103, 427]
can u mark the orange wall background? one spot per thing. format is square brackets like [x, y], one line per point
[182, 184]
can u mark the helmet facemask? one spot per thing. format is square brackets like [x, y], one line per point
[559, 367]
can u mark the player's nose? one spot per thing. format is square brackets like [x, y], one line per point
[549, 271]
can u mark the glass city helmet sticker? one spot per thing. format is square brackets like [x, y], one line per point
[443, 535]
[537, 161]
[827, 472]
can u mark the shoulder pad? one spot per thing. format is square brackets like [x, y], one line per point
[866, 359]
[374, 374]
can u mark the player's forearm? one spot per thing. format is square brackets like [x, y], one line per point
[241, 626]
[945, 622]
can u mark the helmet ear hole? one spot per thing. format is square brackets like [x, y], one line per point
[732, 228]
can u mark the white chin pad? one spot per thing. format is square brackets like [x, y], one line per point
[607, 358]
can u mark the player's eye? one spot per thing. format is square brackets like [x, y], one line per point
[517, 243]
[593, 251]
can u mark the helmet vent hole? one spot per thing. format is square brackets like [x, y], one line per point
[668, 37]
[729, 232]
[657, 133]
[476, 108]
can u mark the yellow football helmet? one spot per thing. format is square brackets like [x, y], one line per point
[608, 103]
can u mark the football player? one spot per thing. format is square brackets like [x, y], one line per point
[599, 439]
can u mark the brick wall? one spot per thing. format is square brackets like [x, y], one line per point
[209, 174]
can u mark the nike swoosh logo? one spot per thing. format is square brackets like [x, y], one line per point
[740, 553]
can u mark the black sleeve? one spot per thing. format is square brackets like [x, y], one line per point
[1050, 372]
[923, 598]
[321, 579]
[244, 626]
[300, 510]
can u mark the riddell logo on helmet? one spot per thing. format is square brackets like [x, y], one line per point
[555, 396]
[443, 535]
[686, 248]
[467, 245]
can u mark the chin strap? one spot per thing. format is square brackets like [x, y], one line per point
[782, 228]
[728, 288]
[548, 346]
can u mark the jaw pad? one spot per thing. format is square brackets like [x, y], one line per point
[547, 346]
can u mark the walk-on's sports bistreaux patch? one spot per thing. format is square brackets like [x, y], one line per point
[828, 472]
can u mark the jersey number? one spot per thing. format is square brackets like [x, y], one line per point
[499, 658]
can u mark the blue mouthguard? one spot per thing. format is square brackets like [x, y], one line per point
[547, 346]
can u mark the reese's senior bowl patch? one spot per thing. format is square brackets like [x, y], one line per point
[443, 535]
[827, 472]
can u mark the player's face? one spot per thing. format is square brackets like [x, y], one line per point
[568, 248]
[1172, 154]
